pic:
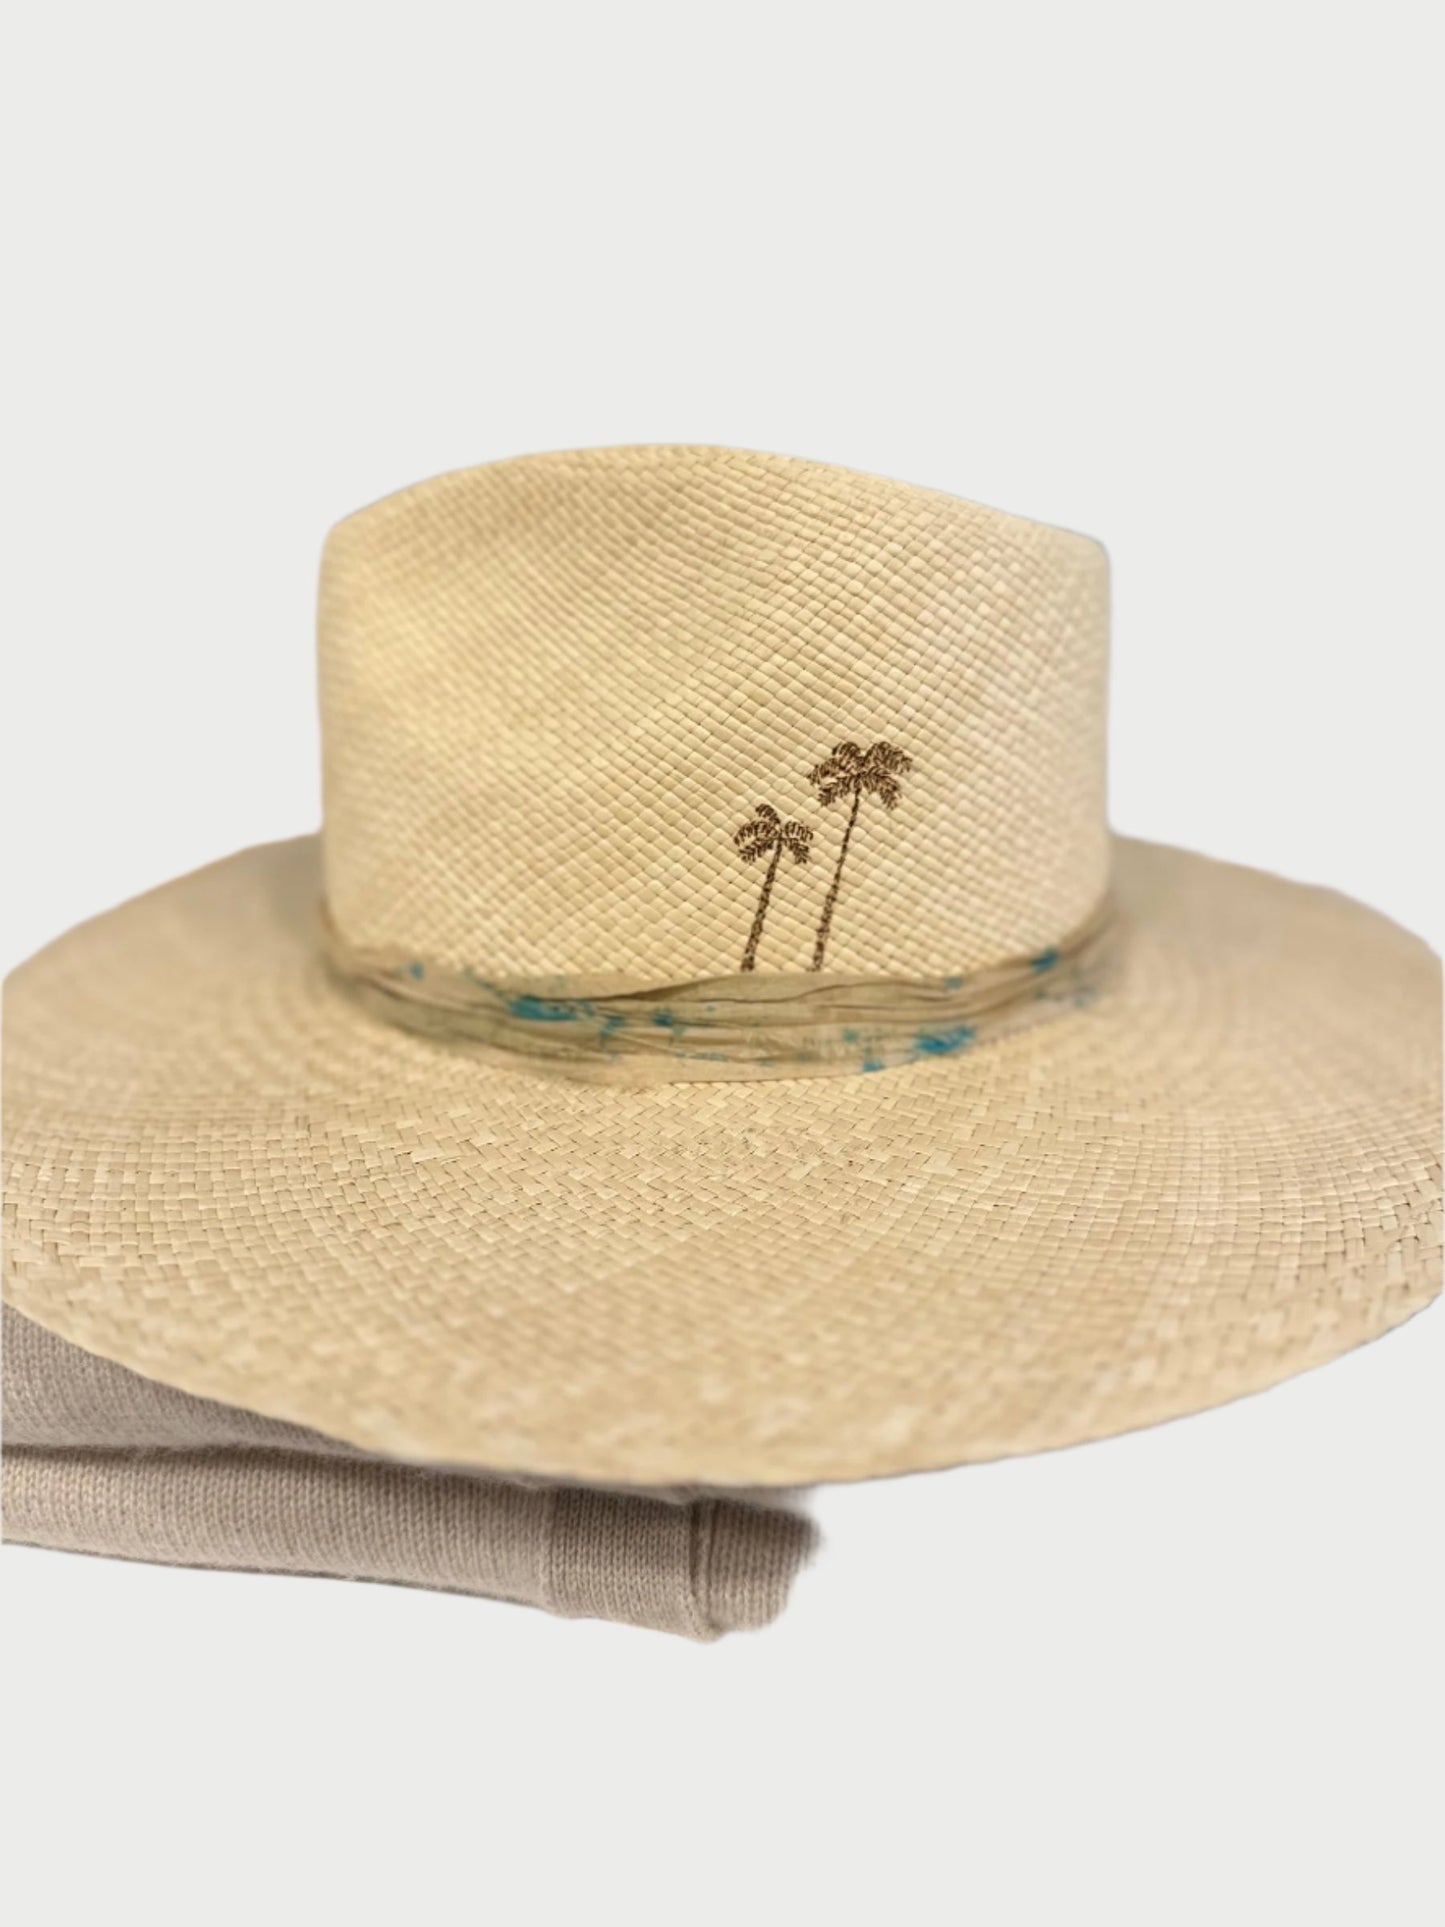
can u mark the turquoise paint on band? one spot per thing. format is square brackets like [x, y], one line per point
[943, 1043]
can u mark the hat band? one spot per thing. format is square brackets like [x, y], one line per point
[722, 1028]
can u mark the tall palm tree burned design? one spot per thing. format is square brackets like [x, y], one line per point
[854, 772]
[765, 834]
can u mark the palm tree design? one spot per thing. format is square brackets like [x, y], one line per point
[855, 772]
[765, 833]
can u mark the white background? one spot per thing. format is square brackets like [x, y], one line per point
[1161, 274]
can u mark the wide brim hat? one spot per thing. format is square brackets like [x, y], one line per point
[716, 1038]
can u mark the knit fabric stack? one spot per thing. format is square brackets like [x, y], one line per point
[99, 1459]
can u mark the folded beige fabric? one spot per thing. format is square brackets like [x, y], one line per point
[98, 1459]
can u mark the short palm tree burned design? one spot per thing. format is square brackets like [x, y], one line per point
[766, 834]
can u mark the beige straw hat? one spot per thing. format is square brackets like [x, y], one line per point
[715, 1037]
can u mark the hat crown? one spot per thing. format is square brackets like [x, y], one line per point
[661, 714]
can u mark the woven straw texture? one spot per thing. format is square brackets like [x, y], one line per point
[565, 701]
[553, 689]
[1220, 1171]
[100, 1460]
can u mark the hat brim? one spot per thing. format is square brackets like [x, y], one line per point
[1219, 1172]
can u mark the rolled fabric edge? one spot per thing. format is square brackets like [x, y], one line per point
[699, 1569]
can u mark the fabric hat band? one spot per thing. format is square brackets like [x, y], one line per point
[726, 1028]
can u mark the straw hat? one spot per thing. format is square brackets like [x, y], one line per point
[715, 1037]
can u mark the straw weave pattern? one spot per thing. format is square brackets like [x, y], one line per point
[572, 707]
[227, 1177]
[553, 688]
